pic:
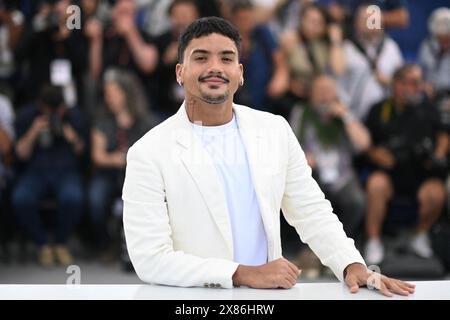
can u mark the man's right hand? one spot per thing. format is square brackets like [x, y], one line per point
[25, 144]
[39, 123]
[382, 157]
[279, 273]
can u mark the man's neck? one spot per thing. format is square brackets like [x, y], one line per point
[206, 114]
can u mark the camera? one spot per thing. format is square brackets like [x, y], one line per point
[52, 100]
[419, 151]
[54, 134]
[405, 150]
[49, 23]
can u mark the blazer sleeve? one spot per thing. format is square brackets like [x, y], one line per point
[305, 208]
[148, 232]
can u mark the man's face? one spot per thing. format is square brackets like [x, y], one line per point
[411, 86]
[48, 111]
[444, 41]
[323, 94]
[211, 70]
[123, 8]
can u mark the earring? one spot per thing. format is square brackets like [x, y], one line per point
[180, 83]
[241, 83]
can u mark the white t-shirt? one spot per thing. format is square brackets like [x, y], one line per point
[224, 144]
[359, 82]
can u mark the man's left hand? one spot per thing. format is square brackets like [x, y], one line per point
[358, 275]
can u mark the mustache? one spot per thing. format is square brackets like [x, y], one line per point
[214, 75]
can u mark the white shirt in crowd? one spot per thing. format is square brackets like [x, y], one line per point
[435, 64]
[359, 81]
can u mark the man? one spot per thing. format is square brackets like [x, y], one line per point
[434, 53]
[371, 59]
[408, 152]
[53, 53]
[330, 135]
[203, 190]
[50, 144]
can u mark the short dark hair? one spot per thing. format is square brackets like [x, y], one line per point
[402, 71]
[51, 96]
[205, 26]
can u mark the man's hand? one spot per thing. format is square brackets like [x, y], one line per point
[279, 273]
[93, 29]
[382, 79]
[125, 25]
[72, 137]
[358, 275]
[40, 123]
[338, 109]
[335, 34]
[382, 157]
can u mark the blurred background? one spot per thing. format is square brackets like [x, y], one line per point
[366, 90]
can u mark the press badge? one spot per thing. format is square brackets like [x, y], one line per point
[60, 72]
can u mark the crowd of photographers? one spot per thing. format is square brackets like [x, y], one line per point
[374, 126]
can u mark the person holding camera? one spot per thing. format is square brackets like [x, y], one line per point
[330, 135]
[50, 141]
[53, 51]
[409, 152]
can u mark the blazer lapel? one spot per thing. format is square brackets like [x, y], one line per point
[202, 170]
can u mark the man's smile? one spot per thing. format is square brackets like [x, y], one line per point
[215, 80]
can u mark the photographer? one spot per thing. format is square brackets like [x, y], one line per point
[330, 135]
[53, 53]
[50, 141]
[409, 154]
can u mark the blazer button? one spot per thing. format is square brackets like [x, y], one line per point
[206, 285]
[218, 285]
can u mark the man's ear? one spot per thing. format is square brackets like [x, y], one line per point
[179, 73]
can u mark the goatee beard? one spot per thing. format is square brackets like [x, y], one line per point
[214, 100]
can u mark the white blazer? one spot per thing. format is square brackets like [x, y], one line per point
[175, 215]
